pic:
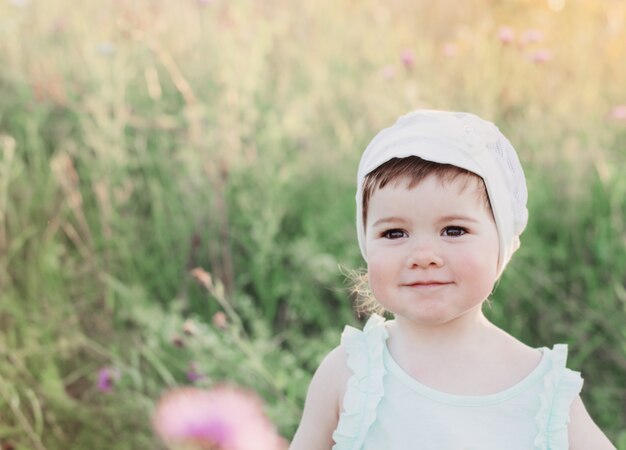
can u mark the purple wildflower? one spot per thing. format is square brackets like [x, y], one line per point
[107, 377]
[192, 373]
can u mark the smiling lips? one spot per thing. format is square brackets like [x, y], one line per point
[427, 284]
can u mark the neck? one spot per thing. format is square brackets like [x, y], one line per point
[467, 332]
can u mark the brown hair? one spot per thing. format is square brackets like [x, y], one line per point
[414, 170]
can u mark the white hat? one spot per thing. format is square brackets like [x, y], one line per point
[463, 140]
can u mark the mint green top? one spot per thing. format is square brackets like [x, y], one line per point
[385, 408]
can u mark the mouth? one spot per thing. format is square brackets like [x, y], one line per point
[427, 284]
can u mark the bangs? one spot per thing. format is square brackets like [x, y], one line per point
[413, 170]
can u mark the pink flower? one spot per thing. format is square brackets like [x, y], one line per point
[408, 59]
[219, 320]
[506, 35]
[541, 56]
[203, 277]
[618, 113]
[107, 377]
[531, 36]
[223, 418]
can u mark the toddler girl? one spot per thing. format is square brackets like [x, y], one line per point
[441, 203]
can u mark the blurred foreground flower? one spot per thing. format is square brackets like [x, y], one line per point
[107, 377]
[223, 418]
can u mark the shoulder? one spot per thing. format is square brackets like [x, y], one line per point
[583, 433]
[332, 376]
[518, 358]
[323, 403]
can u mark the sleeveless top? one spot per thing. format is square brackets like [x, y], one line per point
[385, 408]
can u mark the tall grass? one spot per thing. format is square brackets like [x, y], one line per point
[142, 140]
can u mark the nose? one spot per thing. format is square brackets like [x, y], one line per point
[424, 255]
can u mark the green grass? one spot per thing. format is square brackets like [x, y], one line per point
[140, 141]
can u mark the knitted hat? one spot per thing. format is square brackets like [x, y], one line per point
[463, 140]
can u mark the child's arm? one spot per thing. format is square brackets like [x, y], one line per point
[323, 404]
[583, 433]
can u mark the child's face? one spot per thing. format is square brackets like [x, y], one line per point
[432, 250]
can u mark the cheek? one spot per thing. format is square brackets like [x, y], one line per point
[482, 267]
[379, 276]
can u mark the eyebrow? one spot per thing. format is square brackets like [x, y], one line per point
[449, 218]
[455, 217]
[388, 220]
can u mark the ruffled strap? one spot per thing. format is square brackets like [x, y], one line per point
[365, 388]
[561, 386]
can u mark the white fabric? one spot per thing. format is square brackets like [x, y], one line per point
[385, 408]
[463, 140]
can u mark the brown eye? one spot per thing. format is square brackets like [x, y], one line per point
[453, 231]
[394, 234]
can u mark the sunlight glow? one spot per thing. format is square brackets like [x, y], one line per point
[556, 5]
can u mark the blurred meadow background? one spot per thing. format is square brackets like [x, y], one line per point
[177, 185]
